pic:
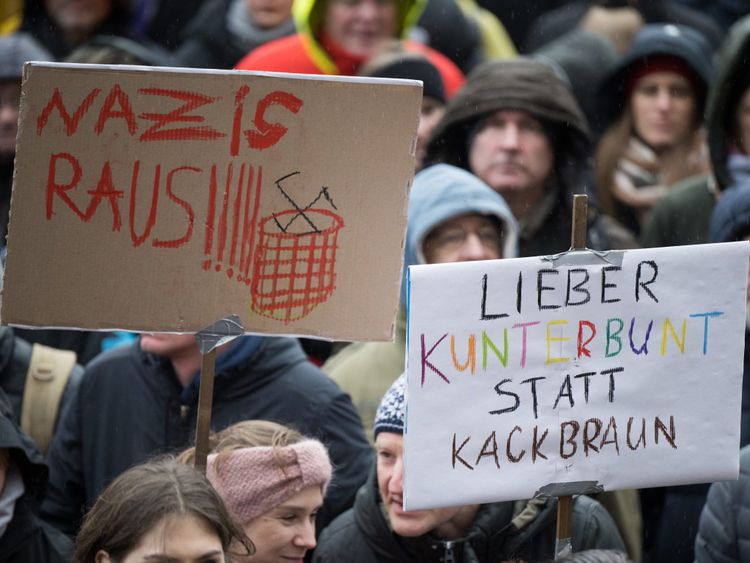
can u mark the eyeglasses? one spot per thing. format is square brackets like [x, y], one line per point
[489, 234]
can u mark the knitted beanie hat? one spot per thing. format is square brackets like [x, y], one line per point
[392, 409]
[416, 68]
[253, 481]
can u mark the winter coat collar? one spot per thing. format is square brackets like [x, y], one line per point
[249, 372]
[494, 534]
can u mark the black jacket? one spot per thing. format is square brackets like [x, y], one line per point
[362, 534]
[207, 43]
[723, 535]
[15, 355]
[29, 539]
[563, 19]
[130, 406]
[26, 537]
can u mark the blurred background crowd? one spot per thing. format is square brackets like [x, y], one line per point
[644, 105]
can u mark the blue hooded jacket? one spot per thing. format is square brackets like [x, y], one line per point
[366, 370]
[442, 192]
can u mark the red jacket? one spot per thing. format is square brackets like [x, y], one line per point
[297, 54]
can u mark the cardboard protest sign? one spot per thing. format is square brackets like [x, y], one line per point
[166, 199]
[621, 371]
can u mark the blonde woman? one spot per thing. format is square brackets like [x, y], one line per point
[273, 480]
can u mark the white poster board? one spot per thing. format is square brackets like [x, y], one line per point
[621, 372]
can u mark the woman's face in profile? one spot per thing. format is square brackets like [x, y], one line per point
[184, 538]
[286, 533]
[663, 108]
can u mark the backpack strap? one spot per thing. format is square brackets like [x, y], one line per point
[48, 373]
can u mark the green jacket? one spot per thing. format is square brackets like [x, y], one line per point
[366, 370]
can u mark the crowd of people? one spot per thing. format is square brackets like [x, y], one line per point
[643, 106]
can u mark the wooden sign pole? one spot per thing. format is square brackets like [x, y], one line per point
[565, 502]
[580, 222]
[209, 339]
[205, 402]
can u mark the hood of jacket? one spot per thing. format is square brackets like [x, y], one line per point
[442, 192]
[23, 453]
[308, 15]
[730, 218]
[677, 41]
[517, 84]
[730, 81]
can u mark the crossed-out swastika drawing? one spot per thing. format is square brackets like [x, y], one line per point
[294, 267]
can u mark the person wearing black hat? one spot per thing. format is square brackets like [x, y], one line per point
[393, 61]
[655, 94]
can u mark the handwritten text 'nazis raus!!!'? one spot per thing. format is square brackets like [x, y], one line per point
[83, 191]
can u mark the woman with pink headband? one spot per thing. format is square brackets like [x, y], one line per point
[273, 480]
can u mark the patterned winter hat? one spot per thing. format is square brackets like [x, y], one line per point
[252, 481]
[392, 410]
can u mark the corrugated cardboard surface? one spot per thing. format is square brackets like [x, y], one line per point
[153, 205]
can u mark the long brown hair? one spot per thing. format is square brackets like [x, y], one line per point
[673, 165]
[136, 501]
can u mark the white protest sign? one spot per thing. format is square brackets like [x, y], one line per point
[624, 372]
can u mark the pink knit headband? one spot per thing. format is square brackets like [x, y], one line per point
[253, 481]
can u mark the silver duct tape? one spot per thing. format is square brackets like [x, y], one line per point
[218, 333]
[571, 488]
[585, 258]
[563, 548]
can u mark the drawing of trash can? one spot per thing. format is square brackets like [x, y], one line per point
[294, 272]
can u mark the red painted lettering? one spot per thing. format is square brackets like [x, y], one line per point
[55, 188]
[175, 243]
[582, 349]
[116, 95]
[71, 122]
[191, 101]
[239, 98]
[269, 134]
[105, 189]
[138, 240]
